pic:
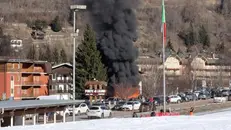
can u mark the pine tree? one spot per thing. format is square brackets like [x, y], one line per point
[204, 37]
[191, 36]
[47, 55]
[63, 56]
[88, 62]
[56, 25]
[41, 54]
[31, 53]
[55, 57]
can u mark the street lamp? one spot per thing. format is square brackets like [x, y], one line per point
[75, 8]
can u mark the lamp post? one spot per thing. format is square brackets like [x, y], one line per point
[75, 8]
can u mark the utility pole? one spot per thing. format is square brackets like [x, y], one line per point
[75, 8]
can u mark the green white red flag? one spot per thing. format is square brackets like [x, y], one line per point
[163, 28]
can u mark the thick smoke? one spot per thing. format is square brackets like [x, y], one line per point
[115, 24]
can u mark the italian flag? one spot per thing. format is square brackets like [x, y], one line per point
[163, 28]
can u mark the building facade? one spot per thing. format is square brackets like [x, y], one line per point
[203, 71]
[23, 79]
[213, 72]
[61, 80]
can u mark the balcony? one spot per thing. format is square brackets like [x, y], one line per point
[25, 95]
[59, 91]
[13, 70]
[38, 70]
[62, 81]
[32, 83]
[28, 93]
[27, 70]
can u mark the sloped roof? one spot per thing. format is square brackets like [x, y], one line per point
[62, 64]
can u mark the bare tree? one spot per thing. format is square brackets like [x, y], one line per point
[151, 83]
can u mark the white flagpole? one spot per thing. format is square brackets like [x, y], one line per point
[164, 83]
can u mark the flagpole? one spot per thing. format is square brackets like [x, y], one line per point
[164, 39]
[164, 83]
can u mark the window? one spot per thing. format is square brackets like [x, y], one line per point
[67, 87]
[59, 78]
[18, 77]
[94, 108]
[36, 78]
[18, 91]
[83, 105]
[53, 76]
[12, 91]
[12, 65]
[103, 108]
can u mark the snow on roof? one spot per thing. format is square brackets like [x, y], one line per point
[10, 105]
[62, 64]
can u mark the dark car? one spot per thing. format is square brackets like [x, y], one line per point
[191, 96]
[229, 97]
[162, 99]
[183, 97]
[157, 101]
[204, 95]
[118, 106]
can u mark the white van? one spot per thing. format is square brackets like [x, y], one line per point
[53, 97]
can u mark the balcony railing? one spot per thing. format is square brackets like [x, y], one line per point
[27, 70]
[59, 91]
[25, 95]
[39, 70]
[13, 70]
[62, 81]
[32, 83]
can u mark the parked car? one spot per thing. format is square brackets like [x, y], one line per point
[204, 96]
[119, 105]
[183, 97]
[175, 99]
[79, 109]
[112, 100]
[99, 111]
[229, 97]
[162, 99]
[225, 93]
[219, 99]
[157, 101]
[191, 96]
[197, 93]
[131, 105]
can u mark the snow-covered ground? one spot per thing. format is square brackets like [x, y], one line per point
[215, 121]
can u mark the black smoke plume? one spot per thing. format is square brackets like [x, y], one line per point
[115, 25]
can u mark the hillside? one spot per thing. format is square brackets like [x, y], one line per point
[187, 22]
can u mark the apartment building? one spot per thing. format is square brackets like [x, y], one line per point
[207, 71]
[214, 72]
[61, 80]
[22, 79]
